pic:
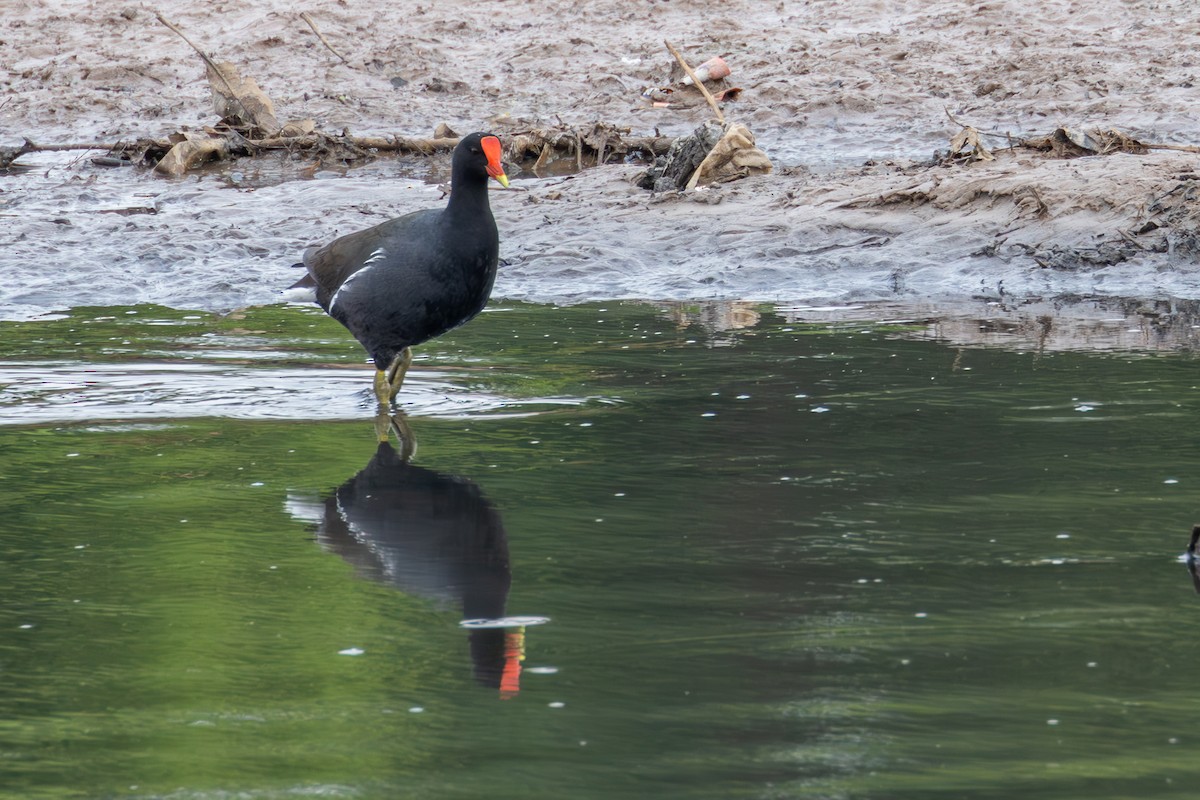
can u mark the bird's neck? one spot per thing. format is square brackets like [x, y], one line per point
[468, 197]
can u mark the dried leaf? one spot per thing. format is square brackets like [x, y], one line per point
[240, 101]
[190, 153]
[1112, 140]
[301, 127]
[968, 143]
[734, 156]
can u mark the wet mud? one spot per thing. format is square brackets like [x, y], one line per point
[849, 99]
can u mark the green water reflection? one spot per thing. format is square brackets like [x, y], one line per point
[779, 561]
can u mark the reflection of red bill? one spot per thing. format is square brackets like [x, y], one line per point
[514, 648]
[514, 654]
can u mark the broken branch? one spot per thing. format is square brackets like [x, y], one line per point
[304, 16]
[212, 65]
[696, 80]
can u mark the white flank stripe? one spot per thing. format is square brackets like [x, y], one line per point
[302, 294]
[372, 261]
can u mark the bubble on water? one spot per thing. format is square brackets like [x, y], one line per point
[743, 397]
[351, 651]
[1063, 536]
[26, 626]
[920, 615]
[416, 710]
[1051, 722]
[557, 704]
[541, 670]
[258, 483]
[503, 622]
[72, 455]
[819, 410]
[1084, 407]
[1093, 664]
[709, 414]
[1170, 481]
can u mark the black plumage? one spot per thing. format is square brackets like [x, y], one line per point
[415, 277]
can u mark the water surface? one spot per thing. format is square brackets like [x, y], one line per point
[773, 558]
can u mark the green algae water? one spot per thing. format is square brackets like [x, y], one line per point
[754, 559]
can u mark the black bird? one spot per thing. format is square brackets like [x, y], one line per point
[415, 277]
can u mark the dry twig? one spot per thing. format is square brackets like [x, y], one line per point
[698, 83]
[304, 16]
[1183, 148]
[212, 65]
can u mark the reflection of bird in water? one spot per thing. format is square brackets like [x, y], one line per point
[434, 536]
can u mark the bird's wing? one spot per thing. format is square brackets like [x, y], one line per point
[332, 264]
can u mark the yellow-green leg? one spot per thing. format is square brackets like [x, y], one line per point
[398, 370]
[389, 381]
[382, 389]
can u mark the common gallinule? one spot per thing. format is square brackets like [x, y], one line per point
[415, 277]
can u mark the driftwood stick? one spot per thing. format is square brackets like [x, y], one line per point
[31, 146]
[952, 119]
[652, 144]
[207, 60]
[698, 83]
[1183, 148]
[304, 16]
[397, 144]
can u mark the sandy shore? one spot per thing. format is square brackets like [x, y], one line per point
[850, 99]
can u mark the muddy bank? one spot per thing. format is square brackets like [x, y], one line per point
[827, 86]
[825, 82]
[1022, 226]
[1019, 226]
